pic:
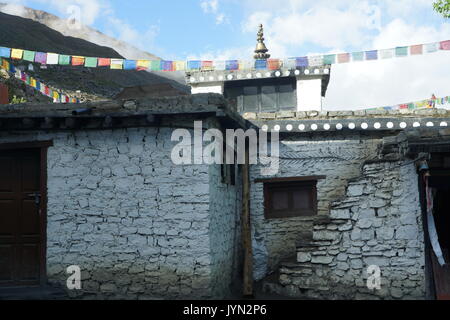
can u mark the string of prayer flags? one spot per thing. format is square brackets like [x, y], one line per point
[221, 65]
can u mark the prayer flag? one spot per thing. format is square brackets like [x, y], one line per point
[5, 52]
[28, 55]
[302, 62]
[166, 65]
[219, 65]
[179, 65]
[104, 62]
[129, 65]
[16, 54]
[90, 62]
[77, 61]
[64, 60]
[232, 65]
[401, 51]
[387, 53]
[372, 55]
[329, 59]
[52, 58]
[273, 64]
[358, 56]
[417, 49]
[142, 65]
[207, 65]
[315, 61]
[432, 47]
[343, 57]
[116, 64]
[445, 45]
[40, 57]
[194, 65]
[155, 65]
[260, 64]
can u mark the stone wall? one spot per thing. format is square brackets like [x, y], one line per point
[338, 157]
[137, 225]
[379, 223]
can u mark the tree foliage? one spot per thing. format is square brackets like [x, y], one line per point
[443, 7]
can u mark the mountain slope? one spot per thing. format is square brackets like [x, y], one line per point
[96, 83]
[85, 32]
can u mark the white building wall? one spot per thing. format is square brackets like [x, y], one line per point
[309, 94]
[207, 88]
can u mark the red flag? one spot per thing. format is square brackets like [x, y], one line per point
[445, 45]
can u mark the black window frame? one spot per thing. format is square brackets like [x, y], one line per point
[238, 88]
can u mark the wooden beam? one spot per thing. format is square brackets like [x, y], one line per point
[71, 123]
[290, 179]
[109, 122]
[48, 123]
[28, 123]
[246, 228]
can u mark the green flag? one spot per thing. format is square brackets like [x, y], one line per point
[90, 62]
[329, 59]
[358, 56]
[28, 55]
[401, 51]
[64, 60]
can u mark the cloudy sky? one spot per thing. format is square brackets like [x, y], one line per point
[226, 29]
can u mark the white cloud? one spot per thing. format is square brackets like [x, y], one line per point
[212, 7]
[339, 26]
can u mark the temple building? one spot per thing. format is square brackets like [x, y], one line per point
[358, 208]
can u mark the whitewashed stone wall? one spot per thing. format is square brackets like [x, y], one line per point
[137, 225]
[379, 223]
[338, 157]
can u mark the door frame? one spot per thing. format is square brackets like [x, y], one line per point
[42, 146]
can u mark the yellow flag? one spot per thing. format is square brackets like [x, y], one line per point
[16, 53]
[180, 65]
[116, 64]
[143, 64]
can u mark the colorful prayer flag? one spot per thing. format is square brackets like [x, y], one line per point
[372, 55]
[401, 51]
[416, 49]
[64, 60]
[116, 64]
[315, 61]
[194, 65]
[207, 65]
[273, 64]
[260, 64]
[180, 65]
[387, 53]
[104, 62]
[166, 65]
[232, 65]
[77, 60]
[5, 52]
[142, 65]
[358, 56]
[40, 57]
[219, 65]
[90, 62]
[52, 58]
[329, 59]
[343, 57]
[129, 65]
[16, 54]
[432, 47]
[28, 55]
[302, 62]
[445, 45]
[155, 65]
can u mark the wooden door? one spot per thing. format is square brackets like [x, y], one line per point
[21, 219]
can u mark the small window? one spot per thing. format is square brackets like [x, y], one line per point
[290, 199]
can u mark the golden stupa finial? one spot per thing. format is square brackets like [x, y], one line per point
[261, 49]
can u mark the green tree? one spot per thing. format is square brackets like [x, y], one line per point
[443, 7]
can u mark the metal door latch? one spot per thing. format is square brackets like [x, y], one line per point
[36, 196]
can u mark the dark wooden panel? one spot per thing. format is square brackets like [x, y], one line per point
[20, 220]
